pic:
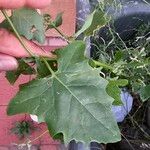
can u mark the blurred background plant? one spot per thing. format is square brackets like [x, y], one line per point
[23, 128]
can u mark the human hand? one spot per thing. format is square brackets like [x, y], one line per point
[10, 47]
[6, 4]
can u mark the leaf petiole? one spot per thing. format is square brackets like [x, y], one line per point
[48, 66]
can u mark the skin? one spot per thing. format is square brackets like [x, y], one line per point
[6, 4]
[10, 47]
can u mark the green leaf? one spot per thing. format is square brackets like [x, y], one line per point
[23, 68]
[73, 100]
[58, 20]
[56, 23]
[42, 70]
[118, 56]
[145, 93]
[95, 20]
[101, 64]
[114, 91]
[28, 22]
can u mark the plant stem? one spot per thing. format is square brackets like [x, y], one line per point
[128, 142]
[16, 33]
[62, 35]
[100, 64]
[38, 137]
[48, 66]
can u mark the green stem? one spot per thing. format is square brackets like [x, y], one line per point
[16, 33]
[48, 66]
[100, 64]
[41, 135]
[62, 35]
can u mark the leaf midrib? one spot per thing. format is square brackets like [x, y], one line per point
[54, 76]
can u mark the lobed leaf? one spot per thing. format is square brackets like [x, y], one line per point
[95, 20]
[114, 91]
[73, 101]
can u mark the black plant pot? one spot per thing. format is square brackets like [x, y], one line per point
[125, 21]
[80, 146]
[128, 18]
[134, 145]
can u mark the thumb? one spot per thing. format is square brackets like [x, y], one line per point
[7, 63]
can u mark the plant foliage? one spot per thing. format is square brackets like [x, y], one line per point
[68, 93]
[73, 100]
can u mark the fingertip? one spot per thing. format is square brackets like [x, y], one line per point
[7, 63]
[37, 4]
[6, 4]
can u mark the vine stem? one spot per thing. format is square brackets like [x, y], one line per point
[62, 35]
[100, 64]
[48, 66]
[16, 33]
[32, 55]
[22, 42]
[38, 137]
[128, 142]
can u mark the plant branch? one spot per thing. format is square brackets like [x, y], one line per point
[62, 35]
[100, 64]
[48, 66]
[37, 137]
[128, 142]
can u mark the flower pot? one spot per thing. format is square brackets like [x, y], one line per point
[125, 21]
[128, 18]
[130, 145]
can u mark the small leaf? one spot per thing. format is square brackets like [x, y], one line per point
[23, 68]
[145, 93]
[28, 22]
[58, 21]
[95, 20]
[118, 56]
[73, 101]
[114, 91]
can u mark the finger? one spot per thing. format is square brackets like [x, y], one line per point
[38, 3]
[10, 45]
[53, 43]
[7, 63]
[6, 4]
